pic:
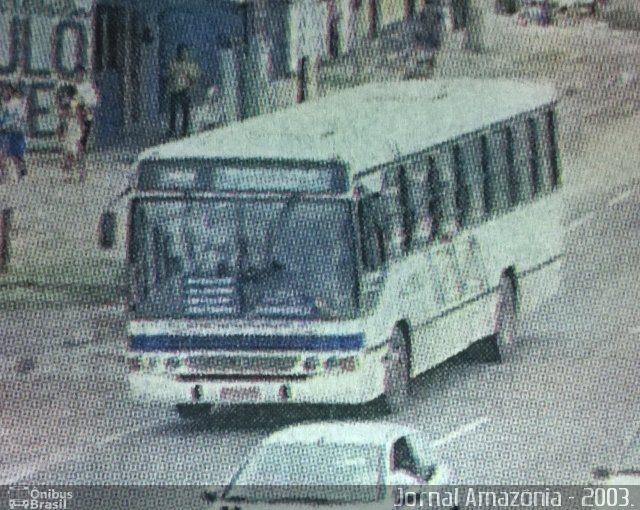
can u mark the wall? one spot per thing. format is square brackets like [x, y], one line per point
[41, 42]
[206, 30]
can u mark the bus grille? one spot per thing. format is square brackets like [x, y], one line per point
[241, 364]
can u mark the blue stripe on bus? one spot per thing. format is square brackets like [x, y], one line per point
[166, 342]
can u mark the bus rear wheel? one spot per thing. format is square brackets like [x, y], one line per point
[396, 374]
[506, 319]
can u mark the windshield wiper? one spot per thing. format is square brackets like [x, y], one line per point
[257, 274]
[277, 223]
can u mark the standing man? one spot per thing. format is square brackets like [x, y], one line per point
[71, 131]
[87, 98]
[183, 76]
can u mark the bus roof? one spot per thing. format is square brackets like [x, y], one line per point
[365, 126]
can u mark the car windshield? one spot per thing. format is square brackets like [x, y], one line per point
[313, 472]
[242, 257]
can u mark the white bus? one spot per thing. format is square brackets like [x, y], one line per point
[329, 252]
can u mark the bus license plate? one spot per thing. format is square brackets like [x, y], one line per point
[239, 394]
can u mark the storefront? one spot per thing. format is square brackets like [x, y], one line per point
[262, 55]
[41, 43]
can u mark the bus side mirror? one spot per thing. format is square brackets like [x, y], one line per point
[107, 230]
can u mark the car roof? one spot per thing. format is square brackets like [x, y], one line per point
[373, 433]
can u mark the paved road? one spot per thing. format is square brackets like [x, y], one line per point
[564, 404]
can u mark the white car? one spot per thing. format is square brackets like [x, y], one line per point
[627, 470]
[614, 488]
[619, 486]
[359, 464]
[620, 477]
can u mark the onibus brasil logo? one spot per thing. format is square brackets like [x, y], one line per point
[24, 496]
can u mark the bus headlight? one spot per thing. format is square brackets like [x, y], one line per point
[311, 364]
[172, 363]
[138, 363]
[134, 364]
[348, 364]
[331, 363]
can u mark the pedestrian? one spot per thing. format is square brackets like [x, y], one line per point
[88, 99]
[71, 131]
[14, 125]
[183, 76]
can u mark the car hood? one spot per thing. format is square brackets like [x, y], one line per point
[624, 478]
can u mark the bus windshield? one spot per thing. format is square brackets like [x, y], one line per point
[242, 257]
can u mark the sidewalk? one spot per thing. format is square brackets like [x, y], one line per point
[594, 71]
[55, 258]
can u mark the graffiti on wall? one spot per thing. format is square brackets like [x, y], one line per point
[41, 43]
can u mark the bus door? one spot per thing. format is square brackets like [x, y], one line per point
[447, 209]
[373, 244]
[470, 267]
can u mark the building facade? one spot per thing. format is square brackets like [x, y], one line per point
[41, 43]
[262, 55]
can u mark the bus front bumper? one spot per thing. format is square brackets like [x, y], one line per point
[362, 384]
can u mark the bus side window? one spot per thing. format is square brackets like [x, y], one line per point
[398, 209]
[416, 180]
[372, 233]
[511, 169]
[420, 197]
[474, 175]
[462, 192]
[406, 207]
[522, 163]
[434, 210]
[498, 172]
[549, 169]
[488, 182]
[446, 193]
[534, 157]
[552, 147]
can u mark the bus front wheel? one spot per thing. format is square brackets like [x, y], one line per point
[506, 318]
[396, 374]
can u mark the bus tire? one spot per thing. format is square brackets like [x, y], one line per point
[193, 411]
[506, 318]
[396, 373]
